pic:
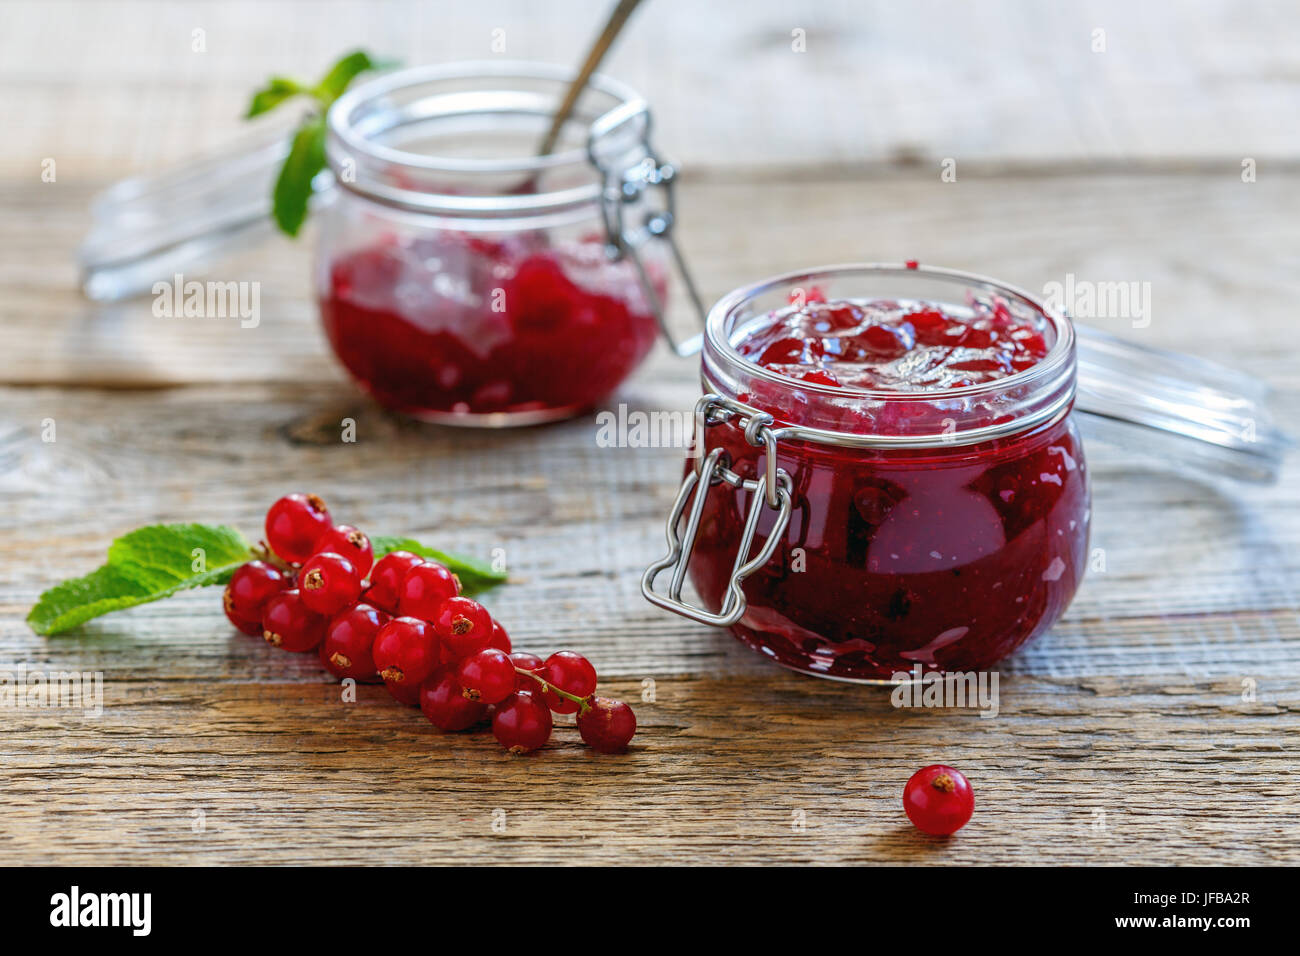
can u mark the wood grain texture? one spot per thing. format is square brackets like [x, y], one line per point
[111, 87]
[1157, 723]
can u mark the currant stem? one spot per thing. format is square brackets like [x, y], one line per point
[261, 552]
[584, 703]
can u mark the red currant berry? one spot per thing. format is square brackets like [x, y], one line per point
[386, 579]
[352, 544]
[294, 525]
[349, 639]
[463, 626]
[938, 800]
[250, 587]
[529, 662]
[569, 672]
[500, 639]
[406, 694]
[487, 676]
[424, 590]
[405, 651]
[444, 703]
[329, 583]
[522, 723]
[246, 625]
[288, 623]
[607, 725]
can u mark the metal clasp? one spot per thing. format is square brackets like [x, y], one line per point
[772, 489]
[624, 185]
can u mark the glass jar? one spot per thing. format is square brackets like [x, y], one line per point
[857, 533]
[464, 279]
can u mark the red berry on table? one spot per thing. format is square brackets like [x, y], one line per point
[386, 579]
[405, 651]
[406, 694]
[522, 723]
[500, 639]
[349, 641]
[352, 544]
[294, 525]
[287, 623]
[529, 662]
[607, 725]
[938, 800]
[569, 672]
[329, 583]
[250, 587]
[463, 626]
[443, 701]
[424, 590]
[247, 625]
[487, 676]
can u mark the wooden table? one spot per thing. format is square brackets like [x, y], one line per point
[1156, 724]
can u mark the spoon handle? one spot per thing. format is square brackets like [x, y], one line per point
[597, 53]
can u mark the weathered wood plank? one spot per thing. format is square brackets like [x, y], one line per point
[116, 87]
[759, 769]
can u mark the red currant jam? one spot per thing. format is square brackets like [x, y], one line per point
[947, 555]
[449, 325]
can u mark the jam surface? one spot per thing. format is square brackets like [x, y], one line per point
[895, 345]
[948, 558]
[452, 324]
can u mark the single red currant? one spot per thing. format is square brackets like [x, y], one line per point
[522, 723]
[528, 662]
[349, 639]
[424, 590]
[386, 579]
[405, 651]
[938, 800]
[463, 626]
[487, 676]
[500, 639]
[444, 703]
[246, 625]
[607, 725]
[294, 525]
[352, 544]
[405, 694]
[329, 583]
[288, 623]
[569, 672]
[250, 587]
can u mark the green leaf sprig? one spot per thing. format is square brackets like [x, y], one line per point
[293, 187]
[159, 560]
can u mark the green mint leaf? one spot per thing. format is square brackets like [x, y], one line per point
[475, 576]
[146, 565]
[277, 90]
[343, 72]
[293, 187]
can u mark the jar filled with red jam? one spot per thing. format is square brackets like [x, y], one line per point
[886, 475]
[463, 278]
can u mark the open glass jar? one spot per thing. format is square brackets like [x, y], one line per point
[464, 279]
[856, 532]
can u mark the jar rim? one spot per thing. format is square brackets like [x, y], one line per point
[1053, 375]
[347, 139]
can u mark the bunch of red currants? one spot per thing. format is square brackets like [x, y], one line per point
[404, 620]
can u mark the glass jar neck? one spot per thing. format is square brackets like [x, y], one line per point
[865, 417]
[461, 140]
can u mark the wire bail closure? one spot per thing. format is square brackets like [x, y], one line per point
[771, 490]
[624, 186]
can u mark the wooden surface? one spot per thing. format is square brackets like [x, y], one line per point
[1124, 736]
